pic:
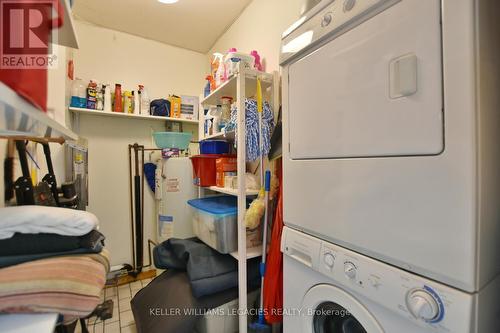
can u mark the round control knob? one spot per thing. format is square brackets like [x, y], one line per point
[422, 305]
[327, 19]
[329, 260]
[350, 270]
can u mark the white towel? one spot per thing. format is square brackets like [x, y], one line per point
[41, 219]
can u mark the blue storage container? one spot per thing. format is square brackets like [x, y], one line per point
[214, 147]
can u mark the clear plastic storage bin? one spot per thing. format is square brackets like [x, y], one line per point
[215, 221]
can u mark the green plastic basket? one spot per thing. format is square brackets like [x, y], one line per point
[172, 140]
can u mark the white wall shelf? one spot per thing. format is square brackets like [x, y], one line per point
[231, 191]
[228, 88]
[19, 118]
[221, 136]
[99, 113]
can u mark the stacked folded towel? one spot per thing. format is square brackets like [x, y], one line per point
[30, 233]
[42, 219]
[51, 260]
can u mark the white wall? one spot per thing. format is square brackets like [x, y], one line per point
[259, 28]
[114, 57]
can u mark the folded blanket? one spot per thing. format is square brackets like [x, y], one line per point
[6, 261]
[21, 244]
[50, 220]
[208, 271]
[70, 286]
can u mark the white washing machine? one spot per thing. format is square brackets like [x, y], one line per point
[391, 132]
[329, 289]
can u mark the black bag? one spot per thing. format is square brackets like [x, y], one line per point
[160, 107]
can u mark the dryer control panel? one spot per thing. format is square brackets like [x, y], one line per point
[330, 20]
[428, 304]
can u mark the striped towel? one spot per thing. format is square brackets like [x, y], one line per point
[69, 285]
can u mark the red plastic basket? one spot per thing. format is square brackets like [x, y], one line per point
[204, 170]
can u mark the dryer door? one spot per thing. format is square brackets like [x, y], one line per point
[332, 310]
[372, 91]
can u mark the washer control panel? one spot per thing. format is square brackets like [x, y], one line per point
[435, 307]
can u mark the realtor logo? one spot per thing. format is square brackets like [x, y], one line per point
[27, 30]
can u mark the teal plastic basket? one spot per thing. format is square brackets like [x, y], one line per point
[172, 140]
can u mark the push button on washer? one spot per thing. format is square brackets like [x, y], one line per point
[349, 4]
[327, 19]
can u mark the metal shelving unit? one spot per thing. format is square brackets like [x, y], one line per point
[22, 120]
[240, 87]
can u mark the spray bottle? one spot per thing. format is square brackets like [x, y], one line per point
[144, 100]
[220, 73]
[258, 65]
[107, 98]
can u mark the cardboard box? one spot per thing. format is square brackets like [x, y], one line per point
[175, 106]
[223, 165]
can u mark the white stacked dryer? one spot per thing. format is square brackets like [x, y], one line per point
[391, 134]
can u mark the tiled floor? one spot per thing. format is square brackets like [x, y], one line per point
[123, 319]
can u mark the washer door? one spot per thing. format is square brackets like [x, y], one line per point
[332, 310]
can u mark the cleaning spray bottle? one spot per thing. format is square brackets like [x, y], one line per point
[137, 105]
[144, 100]
[221, 72]
[207, 90]
[107, 98]
[258, 65]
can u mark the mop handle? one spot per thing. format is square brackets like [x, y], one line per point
[261, 144]
[266, 216]
[264, 245]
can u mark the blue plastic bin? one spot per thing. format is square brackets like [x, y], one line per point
[214, 147]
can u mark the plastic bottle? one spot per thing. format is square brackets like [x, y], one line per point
[107, 98]
[78, 94]
[226, 108]
[100, 98]
[145, 101]
[220, 74]
[257, 65]
[137, 105]
[118, 98]
[127, 102]
[208, 85]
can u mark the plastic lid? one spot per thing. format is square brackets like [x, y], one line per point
[220, 205]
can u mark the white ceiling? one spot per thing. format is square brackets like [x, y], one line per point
[191, 24]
